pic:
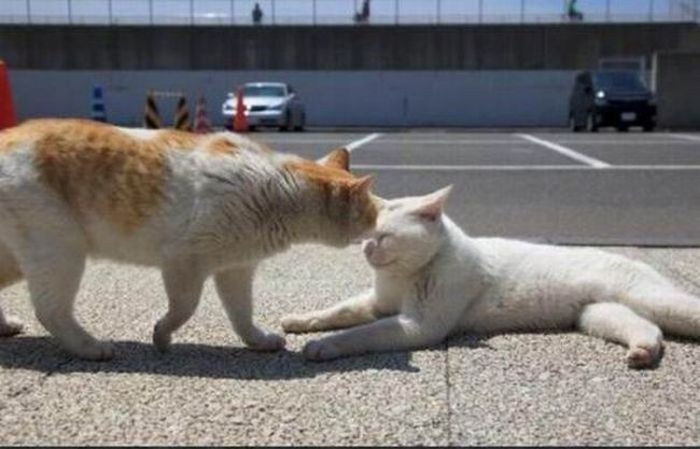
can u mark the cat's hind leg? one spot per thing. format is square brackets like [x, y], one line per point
[676, 312]
[618, 323]
[53, 265]
[9, 274]
[360, 309]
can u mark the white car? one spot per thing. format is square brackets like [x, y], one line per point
[268, 104]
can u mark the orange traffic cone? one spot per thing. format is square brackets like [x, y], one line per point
[7, 108]
[202, 125]
[240, 121]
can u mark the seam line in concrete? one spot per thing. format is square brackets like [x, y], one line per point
[352, 146]
[40, 382]
[448, 394]
[568, 152]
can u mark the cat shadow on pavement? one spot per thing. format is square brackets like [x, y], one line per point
[42, 354]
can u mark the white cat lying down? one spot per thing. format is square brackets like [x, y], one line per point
[432, 280]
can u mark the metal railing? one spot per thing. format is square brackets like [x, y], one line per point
[340, 12]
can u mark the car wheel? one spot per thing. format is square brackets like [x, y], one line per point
[302, 123]
[623, 128]
[251, 128]
[649, 127]
[287, 121]
[591, 125]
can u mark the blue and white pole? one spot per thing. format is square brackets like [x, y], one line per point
[98, 104]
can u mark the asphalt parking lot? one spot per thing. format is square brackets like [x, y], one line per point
[602, 188]
[628, 190]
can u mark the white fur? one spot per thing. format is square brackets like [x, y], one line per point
[432, 280]
[221, 216]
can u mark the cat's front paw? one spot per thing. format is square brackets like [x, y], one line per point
[266, 342]
[320, 350]
[10, 327]
[297, 324]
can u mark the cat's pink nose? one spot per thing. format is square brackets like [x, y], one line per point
[369, 247]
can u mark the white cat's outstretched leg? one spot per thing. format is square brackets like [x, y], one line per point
[235, 288]
[183, 284]
[395, 333]
[53, 269]
[360, 309]
[618, 323]
[420, 324]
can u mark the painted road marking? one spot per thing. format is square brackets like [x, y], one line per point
[523, 167]
[389, 140]
[409, 142]
[687, 137]
[352, 146]
[305, 141]
[568, 152]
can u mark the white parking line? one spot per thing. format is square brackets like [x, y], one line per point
[625, 142]
[352, 146]
[407, 142]
[389, 140]
[302, 141]
[568, 152]
[523, 167]
[686, 137]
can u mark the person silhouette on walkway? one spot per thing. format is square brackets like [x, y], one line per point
[257, 14]
[573, 13]
[363, 15]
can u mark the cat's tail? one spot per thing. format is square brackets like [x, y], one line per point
[672, 309]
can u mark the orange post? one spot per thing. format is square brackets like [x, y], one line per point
[240, 121]
[7, 108]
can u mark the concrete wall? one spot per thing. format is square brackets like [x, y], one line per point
[459, 47]
[386, 98]
[676, 79]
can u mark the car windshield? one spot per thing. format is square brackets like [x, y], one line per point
[619, 81]
[263, 91]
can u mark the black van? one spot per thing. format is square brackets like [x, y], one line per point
[618, 98]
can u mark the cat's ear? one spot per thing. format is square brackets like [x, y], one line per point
[362, 185]
[430, 207]
[339, 158]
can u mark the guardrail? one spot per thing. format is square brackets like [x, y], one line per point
[340, 12]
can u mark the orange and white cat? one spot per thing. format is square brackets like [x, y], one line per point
[193, 205]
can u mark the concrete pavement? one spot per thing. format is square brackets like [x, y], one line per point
[646, 192]
[559, 388]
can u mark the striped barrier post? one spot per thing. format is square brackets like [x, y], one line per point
[151, 118]
[182, 115]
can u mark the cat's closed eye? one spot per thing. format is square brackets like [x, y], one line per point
[381, 238]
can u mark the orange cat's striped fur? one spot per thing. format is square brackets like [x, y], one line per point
[192, 205]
